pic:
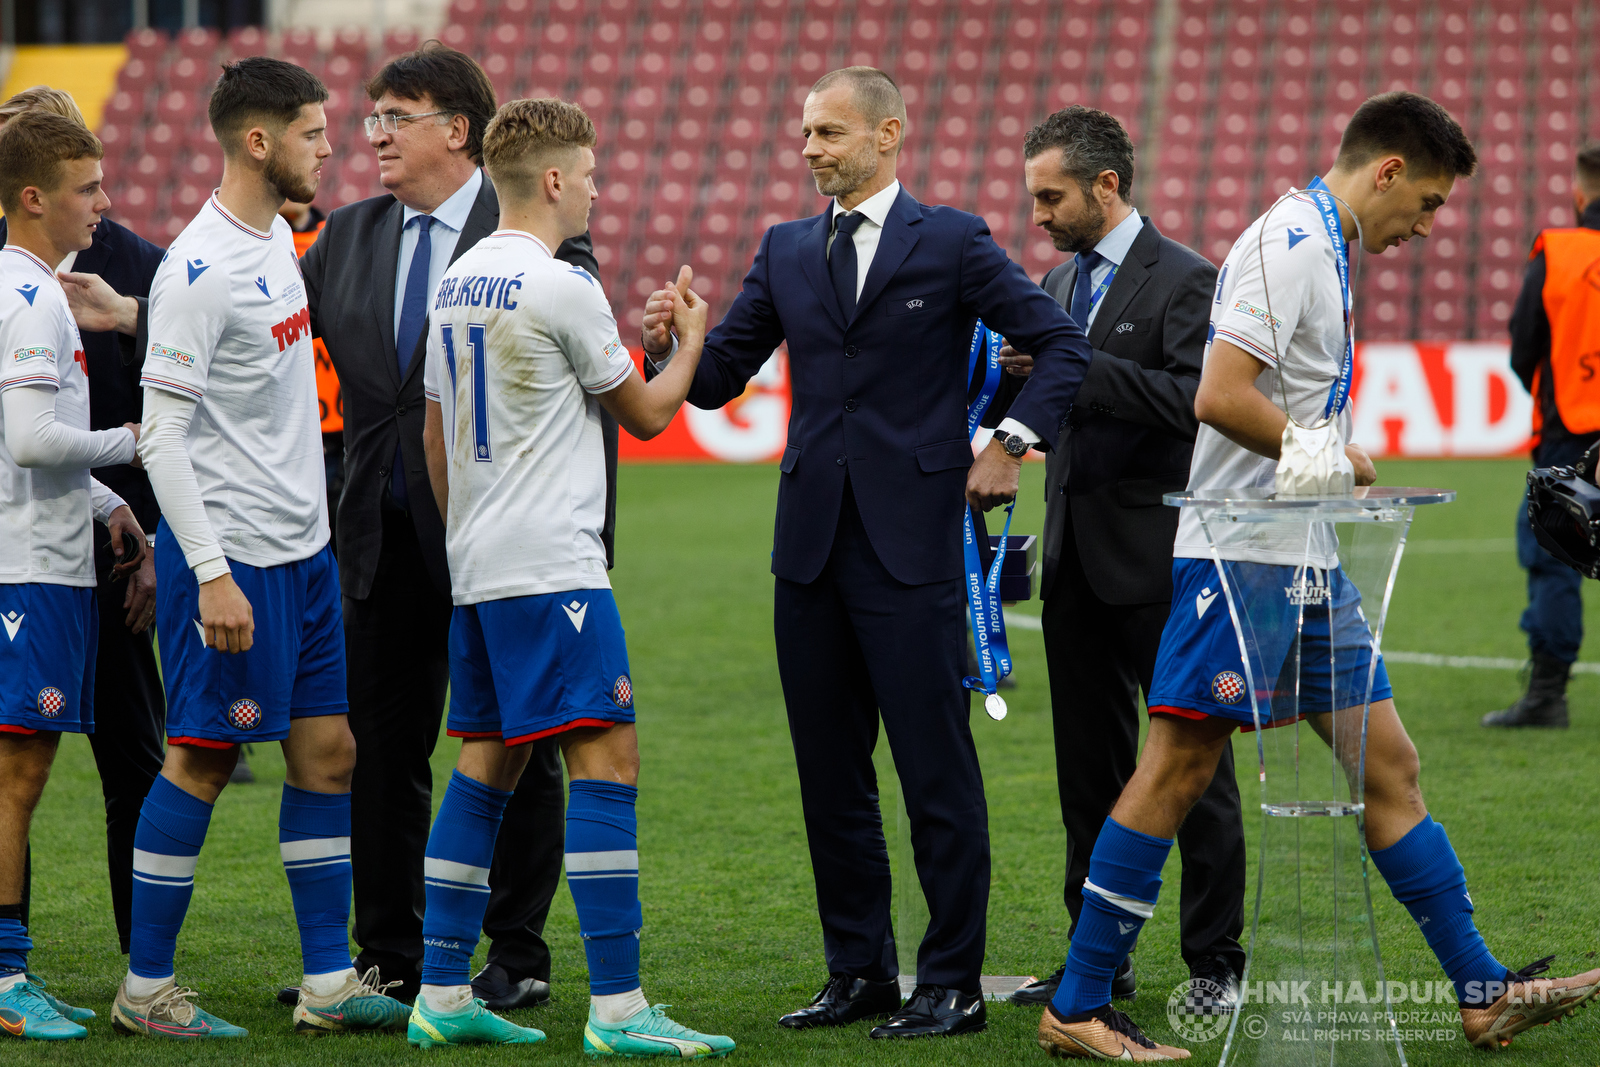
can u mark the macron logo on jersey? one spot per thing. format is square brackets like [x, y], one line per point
[28, 293]
[1296, 235]
[196, 268]
[290, 329]
[575, 614]
[261, 283]
[13, 623]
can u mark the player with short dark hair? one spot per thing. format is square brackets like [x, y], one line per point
[235, 457]
[523, 353]
[50, 192]
[1396, 167]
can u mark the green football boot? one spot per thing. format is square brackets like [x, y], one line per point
[169, 1013]
[360, 1004]
[67, 1011]
[651, 1033]
[27, 1013]
[472, 1025]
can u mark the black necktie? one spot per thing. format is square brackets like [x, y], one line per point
[842, 261]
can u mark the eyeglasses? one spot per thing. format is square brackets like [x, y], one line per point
[390, 121]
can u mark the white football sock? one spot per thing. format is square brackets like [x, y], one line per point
[448, 998]
[7, 981]
[143, 988]
[613, 1008]
[325, 985]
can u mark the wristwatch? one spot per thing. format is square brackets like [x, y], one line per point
[1015, 444]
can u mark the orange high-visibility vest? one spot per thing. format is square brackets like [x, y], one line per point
[1572, 302]
[329, 397]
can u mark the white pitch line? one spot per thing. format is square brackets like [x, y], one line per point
[1420, 659]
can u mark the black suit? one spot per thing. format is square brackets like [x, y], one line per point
[1107, 582]
[396, 583]
[130, 709]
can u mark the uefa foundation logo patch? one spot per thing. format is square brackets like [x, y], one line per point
[622, 691]
[51, 701]
[244, 714]
[1227, 688]
[1199, 1010]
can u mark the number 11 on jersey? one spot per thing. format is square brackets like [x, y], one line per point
[477, 350]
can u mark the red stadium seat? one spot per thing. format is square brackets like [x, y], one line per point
[247, 41]
[353, 43]
[199, 42]
[125, 108]
[190, 75]
[509, 39]
[399, 41]
[502, 75]
[147, 44]
[136, 76]
[460, 37]
[299, 45]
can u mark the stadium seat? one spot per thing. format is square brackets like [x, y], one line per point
[199, 42]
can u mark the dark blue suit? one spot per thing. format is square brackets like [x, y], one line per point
[867, 551]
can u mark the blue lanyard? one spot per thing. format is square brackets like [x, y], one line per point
[1100, 290]
[983, 592]
[1339, 394]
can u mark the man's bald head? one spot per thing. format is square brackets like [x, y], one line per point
[874, 93]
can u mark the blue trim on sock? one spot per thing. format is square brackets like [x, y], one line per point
[1425, 875]
[15, 944]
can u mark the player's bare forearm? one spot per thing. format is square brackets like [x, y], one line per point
[438, 461]
[1229, 402]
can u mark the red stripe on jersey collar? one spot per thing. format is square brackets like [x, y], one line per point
[246, 227]
[37, 262]
[525, 235]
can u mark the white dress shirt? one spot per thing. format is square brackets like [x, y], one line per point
[1113, 249]
[876, 209]
[449, 218]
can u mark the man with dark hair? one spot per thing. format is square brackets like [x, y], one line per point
[1555, 331]
[368, 277]
[50, 191]
[1144, 301]
[876, 298]
[1299, 250]
[248, 594]
[106, 286]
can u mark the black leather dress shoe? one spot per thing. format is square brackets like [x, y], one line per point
[1123, 986]
[501, 991]
[934, 1011]
[843, 1001]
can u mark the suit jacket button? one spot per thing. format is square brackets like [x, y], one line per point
[383, 472]
[849, 351]
[400, 410]
[840, 461]
[849, 405]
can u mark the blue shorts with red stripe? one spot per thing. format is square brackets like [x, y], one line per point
[47, 658]
[530, 666]
[1199, 671]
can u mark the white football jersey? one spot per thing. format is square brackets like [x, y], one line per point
[1303, 363]
[230, 328]
[519, 343]
[45, 516]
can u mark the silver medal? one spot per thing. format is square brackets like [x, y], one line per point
[995, 705]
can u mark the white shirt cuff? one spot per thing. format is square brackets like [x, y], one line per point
[1012, 426]
[659, 364]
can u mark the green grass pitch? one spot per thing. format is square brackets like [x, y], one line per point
[731, 936]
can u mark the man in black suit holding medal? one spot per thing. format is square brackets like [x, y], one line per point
[1144, 301]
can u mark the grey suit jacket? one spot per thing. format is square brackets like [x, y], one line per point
[1130, 435]
[350, 275]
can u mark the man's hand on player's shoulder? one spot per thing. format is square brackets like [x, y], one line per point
[96, 307]
[226, 615]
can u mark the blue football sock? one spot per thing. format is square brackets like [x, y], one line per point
[603, 874]
[166, 847]
[1424, 875]
[456, 872]
[314, 840]
[15, 943]
[1120, 894]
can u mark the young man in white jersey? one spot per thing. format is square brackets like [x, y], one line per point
[248, 602]
[522, 355]
[51, 195]
[1279, 330]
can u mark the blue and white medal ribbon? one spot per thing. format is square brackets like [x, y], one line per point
[983, 592]
[1339, 394]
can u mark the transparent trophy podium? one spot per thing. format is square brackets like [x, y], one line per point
[1313, 991]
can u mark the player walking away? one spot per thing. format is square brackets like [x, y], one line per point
[50, 192]
[235, 457]
[522, 354]
[1399, 159]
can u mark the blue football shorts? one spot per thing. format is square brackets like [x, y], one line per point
[47, 658]
[1199, 671]
[294, 668]
[530, 666]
